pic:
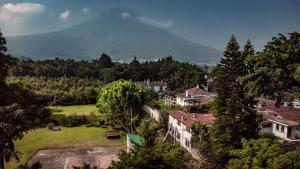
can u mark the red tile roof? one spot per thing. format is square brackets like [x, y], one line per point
[189, 119]
[283, 114]
[194, 91]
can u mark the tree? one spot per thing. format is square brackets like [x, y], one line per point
[276, 70]
[233, 109]
[159, 156]
[263, 153]
[201, 138]
[20, 111]
[248, 52]
[5, 60]
[148, 129]
[122, 101]
[105, 61]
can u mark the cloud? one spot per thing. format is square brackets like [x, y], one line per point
[64, 15]
[14, 16]
[125, 15]
[12, 12]
[161, 24]
[85, 10]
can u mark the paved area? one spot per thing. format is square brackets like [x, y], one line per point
[67, 158]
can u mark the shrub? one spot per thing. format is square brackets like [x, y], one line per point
[50, 125]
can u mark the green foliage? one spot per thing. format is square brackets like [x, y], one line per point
[263, 153]
[61, 91]
[233, 109]
[159, 156]
[178, 75]
[201, 138]
[122, 101]
[275, 71]
[148, 130]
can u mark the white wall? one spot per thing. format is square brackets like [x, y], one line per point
[279, 133]
[185, 135]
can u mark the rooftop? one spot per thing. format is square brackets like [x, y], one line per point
[195, 91]
[283, 114]
[189, 119]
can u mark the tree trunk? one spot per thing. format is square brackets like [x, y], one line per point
[1, 160]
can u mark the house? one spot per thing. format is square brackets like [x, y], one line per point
[180, 126]
[193, 96]
[282, 122]
[156, 86]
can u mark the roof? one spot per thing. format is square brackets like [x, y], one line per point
[151, 83]
[189, 119]
[136, 139]
[284, 114]
[194, 92]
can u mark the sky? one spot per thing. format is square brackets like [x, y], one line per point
[207, 22]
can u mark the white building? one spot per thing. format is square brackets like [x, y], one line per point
[193, 96]
[180, 124]
[282, 122]
[156, 86]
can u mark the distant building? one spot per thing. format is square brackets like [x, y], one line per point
[180, 124]
[156, 86]
[193, 96]
[282, 122]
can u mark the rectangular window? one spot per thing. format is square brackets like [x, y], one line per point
[187, 143]
[277, 126]
[282, 128]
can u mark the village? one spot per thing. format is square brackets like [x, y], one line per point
[281, 122]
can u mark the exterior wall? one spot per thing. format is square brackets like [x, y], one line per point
[156, 89]
[154, 113]
[180, 133]
[278, 132]
[181, 101]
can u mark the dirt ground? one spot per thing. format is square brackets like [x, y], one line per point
[67, 158]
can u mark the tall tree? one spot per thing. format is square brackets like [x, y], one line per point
[19, 110]
[234, 111]
[276, 70]
[248, 52]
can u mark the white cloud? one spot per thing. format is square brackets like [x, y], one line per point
[10, 11]
[85, 10]
[14, 16]
[161, 24]
[125, 15]
[64, 15]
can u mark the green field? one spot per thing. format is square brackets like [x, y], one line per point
[61, 111]
[43, 138]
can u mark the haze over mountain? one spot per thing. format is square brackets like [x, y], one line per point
[121, 35]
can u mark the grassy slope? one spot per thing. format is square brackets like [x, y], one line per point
[43, 138]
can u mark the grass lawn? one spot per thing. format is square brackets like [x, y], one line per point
[68, 137]
[61, 111]
[43, 138]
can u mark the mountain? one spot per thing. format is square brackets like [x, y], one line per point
[121, 38]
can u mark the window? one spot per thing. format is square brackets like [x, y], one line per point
[282, 128]
[277, 126]
[187, 143]
[178, 135]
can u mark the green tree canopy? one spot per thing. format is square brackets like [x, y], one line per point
[159, 156]
[276, 70]
[122, 101]
[263, 153]
[105, 61]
